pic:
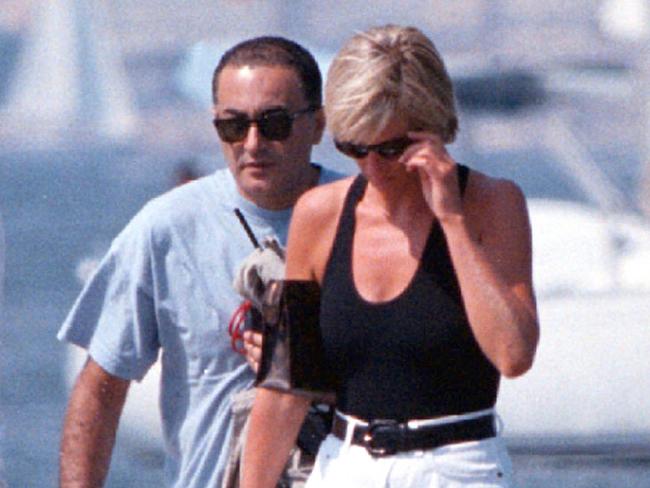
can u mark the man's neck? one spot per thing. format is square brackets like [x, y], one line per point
[288, 199]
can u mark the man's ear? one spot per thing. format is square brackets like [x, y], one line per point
[319, 128]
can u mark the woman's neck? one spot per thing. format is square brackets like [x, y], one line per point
[397, 201]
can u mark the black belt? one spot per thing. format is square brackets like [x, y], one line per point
[386, 437]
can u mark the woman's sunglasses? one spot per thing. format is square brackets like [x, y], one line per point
[274, 125]
[387, 149]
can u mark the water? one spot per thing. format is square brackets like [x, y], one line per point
[57, 207]
[607, 470]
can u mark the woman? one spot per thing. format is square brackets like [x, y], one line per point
[426, 286]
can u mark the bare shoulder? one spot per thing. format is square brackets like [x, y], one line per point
[490, 202]
[312, 230]
[322, 204]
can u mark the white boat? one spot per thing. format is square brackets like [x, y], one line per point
[590, 375]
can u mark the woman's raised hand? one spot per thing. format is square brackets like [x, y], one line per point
[438, 177]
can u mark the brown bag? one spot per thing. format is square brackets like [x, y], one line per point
[292, 349]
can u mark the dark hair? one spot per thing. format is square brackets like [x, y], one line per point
[274, 51]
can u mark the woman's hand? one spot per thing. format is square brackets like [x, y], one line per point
[438, 176]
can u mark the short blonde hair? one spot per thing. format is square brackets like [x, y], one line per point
[386, 73]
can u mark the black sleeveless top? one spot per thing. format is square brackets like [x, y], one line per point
[413, 356]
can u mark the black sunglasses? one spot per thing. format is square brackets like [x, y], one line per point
[387, 149]
[274, 125]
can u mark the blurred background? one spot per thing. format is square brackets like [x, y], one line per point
[104, 105]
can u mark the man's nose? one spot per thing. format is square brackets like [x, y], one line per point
[253, 138]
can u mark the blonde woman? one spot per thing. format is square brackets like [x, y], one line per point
[426, 286]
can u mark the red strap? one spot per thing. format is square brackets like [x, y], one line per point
[235, 325]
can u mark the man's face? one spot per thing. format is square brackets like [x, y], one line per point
[270, 173]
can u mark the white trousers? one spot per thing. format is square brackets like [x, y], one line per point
[476, 464]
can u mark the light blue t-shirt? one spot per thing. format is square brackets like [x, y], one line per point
[166, 284]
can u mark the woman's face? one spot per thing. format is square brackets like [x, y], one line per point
[381, 161]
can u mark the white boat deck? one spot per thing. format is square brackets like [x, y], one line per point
[591, 374]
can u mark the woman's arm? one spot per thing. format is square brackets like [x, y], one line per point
[495, 276]
[276, 417]
[274, 424]
[489, 240]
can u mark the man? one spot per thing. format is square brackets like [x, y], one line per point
[165, 283]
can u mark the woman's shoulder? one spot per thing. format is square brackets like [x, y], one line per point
[324, 201]
[313, 228]
[489, 200]
[485, 190]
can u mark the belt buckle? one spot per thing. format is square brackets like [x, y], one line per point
[372, 439]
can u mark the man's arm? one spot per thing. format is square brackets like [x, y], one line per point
[90, 426]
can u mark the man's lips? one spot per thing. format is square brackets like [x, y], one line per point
[256, 165]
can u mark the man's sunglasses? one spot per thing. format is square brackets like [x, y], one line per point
[387, 149]
[274, 125]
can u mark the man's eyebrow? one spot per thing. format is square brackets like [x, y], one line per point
[272, 108]
[233, 111]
